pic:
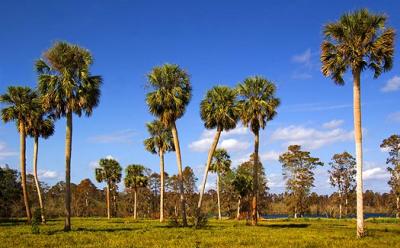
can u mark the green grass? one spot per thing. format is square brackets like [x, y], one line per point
[99, 232]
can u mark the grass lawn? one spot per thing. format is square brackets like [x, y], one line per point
[100, 232]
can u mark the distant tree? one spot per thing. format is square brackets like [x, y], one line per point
[135, 178]
[20, 103]
[357, 41]
[168, 100]
[10, 190]
[39, 126]
[220, 164]
[67, 87]
[189, 183]
[342, 176]
[109, 171]
[392, 145]
[298, 169]
[218, 110]
[86, 194]
[257, 104]
[160, 142]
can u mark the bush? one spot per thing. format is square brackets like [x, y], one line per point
[36, 219]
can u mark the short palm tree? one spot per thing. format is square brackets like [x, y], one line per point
[171, 93]
[135, 178]
[357, 41]
[220, 164]
[67, 87]
[20, 103]
[160, 142]
[218, 110]
[109, 171]
[43, 127]
[258, 104]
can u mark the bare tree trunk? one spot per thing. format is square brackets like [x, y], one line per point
[219, 201]
[359, 153]
[180, 177]
[255, 180]
[238, 209]
[295, 212]
[22, 139]
[108, 201]
[398, 207]
[68, 151]
[209, 159]
[135, 205]
[35, 158]
[340, 205]
[162, 186]
[346, 206]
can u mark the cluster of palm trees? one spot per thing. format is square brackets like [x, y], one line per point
[356, 42]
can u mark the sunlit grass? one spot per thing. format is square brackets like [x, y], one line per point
[124, 232]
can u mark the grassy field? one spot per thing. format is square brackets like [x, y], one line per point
[99, 232]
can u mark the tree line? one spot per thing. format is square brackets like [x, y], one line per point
[356, 42]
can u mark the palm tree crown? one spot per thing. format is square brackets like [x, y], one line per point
[221, 161]
[65, 81]
[219, 108]
[357, 41]
[21, 103]
[109, 171]
[160, 138]
[40, 125]
[257, 102]
[135, 177]
[172, 92]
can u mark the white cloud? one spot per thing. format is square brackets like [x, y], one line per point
[395, 117]
[311, 138]
[207, 137]
[124, 136]
[312, 107]
[93, 164]
[5, 152]
[375, 173]
[47, 174]
[333, 124]
[392, 84]
[303, 58]
[270, 156]
[275, 181]
[301, 75]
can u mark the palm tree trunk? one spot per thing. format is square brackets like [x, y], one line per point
[255, 179]
[340, 205]
[68, 151]
[161, 186]
[359, 155]
[135, 204]
[398, 207]
[108, 201]
[346, 202]
[22, 139]
[219, 202]
[180, 177]
[35, 158]
[238, 209]
[209, 159]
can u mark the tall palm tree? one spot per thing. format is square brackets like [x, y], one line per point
[160, 142]
[220, 164]
[20, 104]
[40, 126]
[357, 41]
[109, 171]
[171, 93]
[135, 178]
[67, 87]
[258, 104]
[218, 110]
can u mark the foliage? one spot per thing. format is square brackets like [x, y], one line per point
[108, 171]
[221, 161]
[392, 145]
[160, 139]
[135, 177]
[36, 219]
[10, 191]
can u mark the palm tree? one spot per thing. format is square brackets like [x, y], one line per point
[160, 142]
[218, 110]
[135, 179]
[171, 93]
[358, 41]
[220, 164]
[258, 104]
[20, 104]
[39, 127]
[109, 171]
[67, 87]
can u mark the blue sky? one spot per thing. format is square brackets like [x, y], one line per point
[217, 42]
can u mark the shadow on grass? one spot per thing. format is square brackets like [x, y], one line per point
[292, 225]
[12, 222]
[83, 229]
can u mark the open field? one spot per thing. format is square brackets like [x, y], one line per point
[119, 232]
